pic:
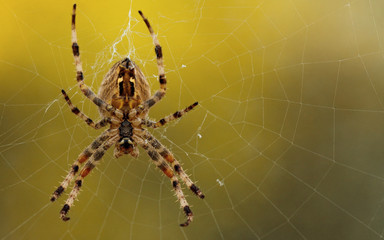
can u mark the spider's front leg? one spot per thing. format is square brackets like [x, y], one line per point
[91, 163]
[168, 156]
[87, 153]
[167, 170]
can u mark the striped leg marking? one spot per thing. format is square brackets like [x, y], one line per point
[168, 156]
[80, 159]
[91, 163]
[163, 121]
[147, 104]
[81, 115]
[79, 70]
[167, 170]
[159, 54]
[160, 67]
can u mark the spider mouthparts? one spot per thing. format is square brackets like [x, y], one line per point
[65, 218]
[74, 6]
[53, 199]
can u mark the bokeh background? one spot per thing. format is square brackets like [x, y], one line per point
[287, 142]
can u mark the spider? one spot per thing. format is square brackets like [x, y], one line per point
[123, 101]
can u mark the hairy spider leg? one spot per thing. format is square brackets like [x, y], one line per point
[80, 159]
[174, 116]
[167, 170]
[160, 66]
[87, 168]
[103, 122]
[159, 54]
[79, 73]
[168, 156]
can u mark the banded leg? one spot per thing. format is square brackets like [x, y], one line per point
[163, 121]
[167, 170]
[168, 156]
[91, 163]
[147, 104]
[79, 71]
[80, 159]
[159, 54]
[81, 115]
[160, 67]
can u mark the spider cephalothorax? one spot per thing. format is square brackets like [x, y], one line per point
[123, 101]
[125, 132]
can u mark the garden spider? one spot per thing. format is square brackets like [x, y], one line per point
[123, 101]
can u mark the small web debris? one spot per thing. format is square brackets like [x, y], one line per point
[199, 136]
[183, 66]
[221, 183]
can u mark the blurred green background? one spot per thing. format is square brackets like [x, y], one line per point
[287, 142]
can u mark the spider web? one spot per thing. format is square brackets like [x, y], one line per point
[286, 142]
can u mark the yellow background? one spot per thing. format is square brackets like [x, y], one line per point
[287, 142]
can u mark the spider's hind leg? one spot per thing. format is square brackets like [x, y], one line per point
[159, 54]
[160, 67]
[79, 72]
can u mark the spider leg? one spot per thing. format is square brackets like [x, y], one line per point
[159, 54]
[91, 163]
[160, 67]
[103, 122]
[167, 170]
[79, 72]
[168, 156]
[163, 121]
[80, 159]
